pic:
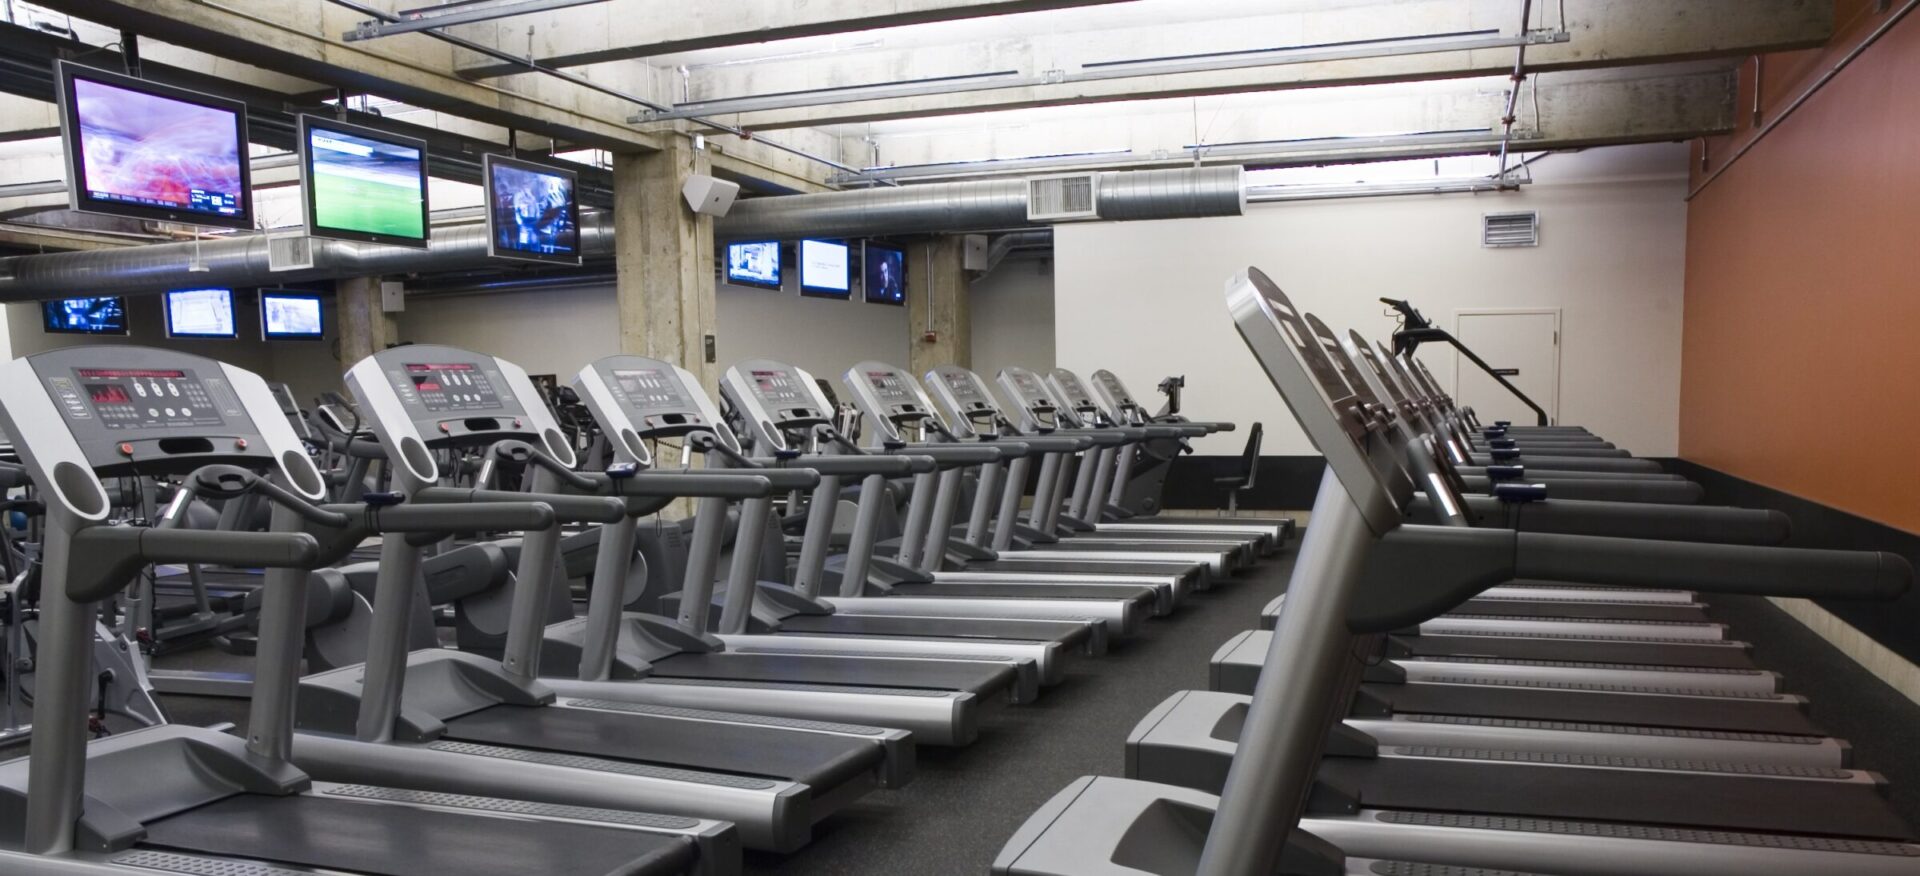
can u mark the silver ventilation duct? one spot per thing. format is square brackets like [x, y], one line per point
[241, 260]
[978, 205]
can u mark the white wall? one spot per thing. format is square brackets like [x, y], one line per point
[1611, 257]
[1013, 316]
[559, 331]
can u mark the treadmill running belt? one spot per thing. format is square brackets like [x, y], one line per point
[935, 627]
[978, 678]
[1138, 592]
[820, 760]
[1751, 715]
[1625, 652]
[407, 841]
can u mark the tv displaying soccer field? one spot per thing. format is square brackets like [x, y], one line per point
[533, 211]
[754, 264]
[200, 313]
[885, 279]
[362, 184]
[136, 148]
[290, 316]
[85, 316]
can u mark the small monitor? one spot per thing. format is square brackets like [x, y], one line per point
[86, 316]
[754, 264]
[362, 184]
[200, 313]
[885, 279]
[533, 211]
[824, 270]
[290, 316]
[136, 148]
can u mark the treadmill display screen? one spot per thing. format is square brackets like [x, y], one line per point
[651, 388]
[452, 386]
[1074, 390]
[125, 398]
[888, 386]
[962, 385]
[776, 386]
[1112, 385]
[1028, 385]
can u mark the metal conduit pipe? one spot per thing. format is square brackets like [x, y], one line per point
[241, 260]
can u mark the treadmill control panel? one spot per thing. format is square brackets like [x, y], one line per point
[774, 399]
[121, 410]
[636, 398]
[1037, 408]
[1067, 386]
[448, 397]
[1114, 397]
[445, 387]
[965, 400]
[889, 397]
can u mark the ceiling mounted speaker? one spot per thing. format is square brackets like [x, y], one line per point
[709, 196]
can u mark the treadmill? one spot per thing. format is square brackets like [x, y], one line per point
[1374, 808]
[780, 409]
[198, 801]
[440, 720]
[1121, 408]
[890, 396]
[1099, 469]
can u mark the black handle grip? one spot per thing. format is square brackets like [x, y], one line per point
[1155, 433]
[1695, 523]
[106, 557]
[861, 466]
[953, 455]
[1714, 568]
[752, 485]
[566, 509]
[462, 517]
[1106, 437]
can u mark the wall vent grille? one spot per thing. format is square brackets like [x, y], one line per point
[1063, 198]
[289, 252]
[1510, 229]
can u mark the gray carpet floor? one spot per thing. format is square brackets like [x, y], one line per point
[964, 803]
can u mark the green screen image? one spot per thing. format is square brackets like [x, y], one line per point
[367, 186]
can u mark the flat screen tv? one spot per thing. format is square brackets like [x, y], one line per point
[754, 264]
[533, 211]
[149, 151]
[290, 316]
[824, 270]
[362, 184]
[885, 278]
[200, 313]
[85, 316]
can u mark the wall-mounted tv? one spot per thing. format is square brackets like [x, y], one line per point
[149, 151]
[85, 316]
[362, 184]
[754, 264]
[533, 211]
[200, 313]
[824, 272]
[290, 316]
[885, 278]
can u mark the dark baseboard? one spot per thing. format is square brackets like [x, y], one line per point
[1895, 625]
[1283, 483]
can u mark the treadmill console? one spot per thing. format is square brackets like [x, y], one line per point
[779, 402]
[81, 413]
[1067, 387]
[1039, 413]
[889, 397]
[436, 396]
[1115, 400]
[964, 401]
[635, 398]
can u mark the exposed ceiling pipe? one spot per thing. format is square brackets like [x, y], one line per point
[1004, 245]
[241, 260]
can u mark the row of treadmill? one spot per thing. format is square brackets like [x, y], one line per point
[1491, 659]
[634, 631]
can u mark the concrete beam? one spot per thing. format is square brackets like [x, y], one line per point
[939, 319]
[625, 30]
[365, 329]
[1578, 109]
[1603, 33]
[292, 36]
[27, 119]
[663, 262]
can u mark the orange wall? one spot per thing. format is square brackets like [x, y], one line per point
[1801, 349]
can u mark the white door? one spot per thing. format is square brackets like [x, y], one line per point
[1522, 346]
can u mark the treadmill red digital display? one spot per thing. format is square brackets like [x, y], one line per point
[121, 373]
[108, 393]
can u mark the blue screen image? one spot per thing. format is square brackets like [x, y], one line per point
[86, 316]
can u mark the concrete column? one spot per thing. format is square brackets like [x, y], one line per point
[663, 270]
[938, 318]
[365, 329]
